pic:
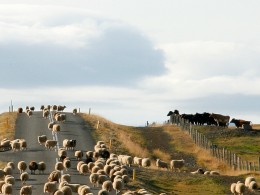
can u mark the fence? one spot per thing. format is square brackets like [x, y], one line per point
[231, 159]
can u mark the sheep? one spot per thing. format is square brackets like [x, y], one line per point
[69, 144]
[83, 169]
[22, 166]
[11, 164]
[50, 187]
[107, 185]
[93, 178]
[33, 166]
[59, 166]
[20, 110]
[103, 192]
[54, 176]
[50, 125]
[138, 161]
[7, 189]
[125, 160]
[41, 167]
[146, 162]
[46, 113]
[253, 185]
[117, 185]
[102, 179]
[233, 188]
[8, 170]
[66, 164]
[84, 189]
[74, 111]
[59, 192]
[62, 153]
[248, 180]
[79, 164]
[15, 145]
[214, 173]
[1, 184]
[161, 164]
[78, 154]
[56, 128]
[50, 144]
[24, 177]
[240, 188]
[26, 190]
[54, 107]
[29, 113]
[9, 179]
[125, 179]
[61, 108]
[66, 190]
[89, 154]
[176, 164]
[42, 139]
[2, 173]
[198, 171]
[66, 177]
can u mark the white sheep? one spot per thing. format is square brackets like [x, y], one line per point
[26, 190]
[84, 189]
[66, 177]
[107, 185]
[24, 177]
[1, 184]
[66, 163]
[54, 176]
[240, 188]
[214, 173]
[79, 164]
[248, 180]
[74, 111]
[50, 187]
[42, 139]
[11, 164]
[67, 190]
[10, 179]
[161, 164]
[176, 164]
[41, 167]
[8, 170]
[46, 113]
[146, 162]
[253, 185]
[117, 185]
[22, 166]
[83, 169]
[233, 188]
[138, 161]
[7, 189]
[50, 125]
[59, 166]
[56, 128]
[93, 178]
[15, 145]
[78, 154]
[50, 144]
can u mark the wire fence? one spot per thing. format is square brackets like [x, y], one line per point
[234, 161]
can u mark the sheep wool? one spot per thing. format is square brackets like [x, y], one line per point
[26, 190]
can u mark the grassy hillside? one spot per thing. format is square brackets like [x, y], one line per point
[166, 143]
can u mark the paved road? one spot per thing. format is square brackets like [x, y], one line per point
[29, 129]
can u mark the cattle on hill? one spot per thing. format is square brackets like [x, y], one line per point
[221, 120]
[239, 122]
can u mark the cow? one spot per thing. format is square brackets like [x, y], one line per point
[176, 112]
[240, 122]
[221, 120]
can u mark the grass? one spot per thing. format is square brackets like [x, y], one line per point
[166, 143]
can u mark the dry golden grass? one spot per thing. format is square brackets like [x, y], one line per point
[166, 143]
[7, 125]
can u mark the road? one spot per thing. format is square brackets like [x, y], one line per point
[29, 129]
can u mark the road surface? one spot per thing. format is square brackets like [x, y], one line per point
[29, 129]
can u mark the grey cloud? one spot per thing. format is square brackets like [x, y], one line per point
[119, 57]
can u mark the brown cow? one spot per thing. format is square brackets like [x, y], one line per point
[240, 122]
[221, 120]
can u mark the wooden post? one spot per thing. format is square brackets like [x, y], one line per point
[110, 144]
[134, 175]
[89, 110]
[97, 124]
[238, 163]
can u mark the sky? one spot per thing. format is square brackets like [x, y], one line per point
[132, 61]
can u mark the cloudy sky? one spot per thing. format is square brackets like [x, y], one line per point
[132, 61]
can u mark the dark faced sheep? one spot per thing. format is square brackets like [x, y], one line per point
[33, 166]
